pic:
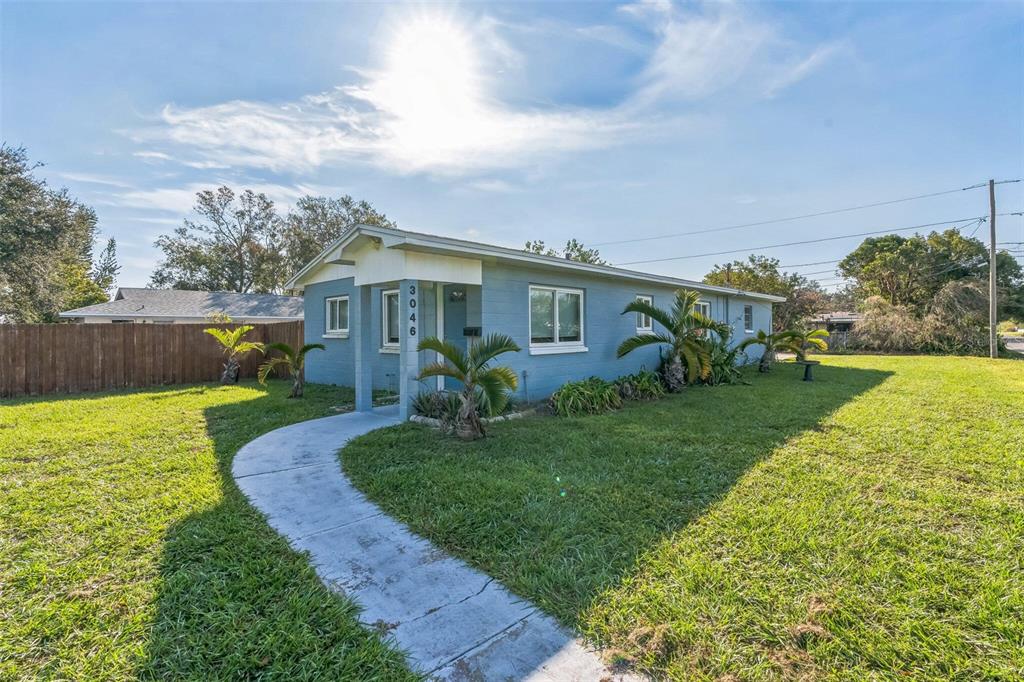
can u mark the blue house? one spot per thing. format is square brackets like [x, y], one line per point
[375, 292]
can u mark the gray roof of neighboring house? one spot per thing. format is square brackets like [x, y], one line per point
[176, 303]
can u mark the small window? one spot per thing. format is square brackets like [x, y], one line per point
[389, 315]
[644, 323]
[336, 316]
[704, 308]
[748, 318]
[556, 320]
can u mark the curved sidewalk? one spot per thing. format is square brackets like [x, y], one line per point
[453, 622]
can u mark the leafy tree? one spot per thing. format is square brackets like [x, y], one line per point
[804, 298]
[294, 360]
[482, 384]
[234, 348]
[683, 331]
[235, 247]
[315, 222]
[574, 250]
[46, 242]
[106, 268]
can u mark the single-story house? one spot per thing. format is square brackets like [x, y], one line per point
[375, 292]
[839, 321]
[176, 306]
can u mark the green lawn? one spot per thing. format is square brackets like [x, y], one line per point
[869, 525]
[127, 551]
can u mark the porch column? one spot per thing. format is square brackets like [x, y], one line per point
[361, 334]
[409, 299]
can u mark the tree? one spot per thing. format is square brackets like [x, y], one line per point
[236, 247]
[773, 343]
[804, 298]
[482, 385]
[294, 360]
[234, 348]
[46, 242]
[683, 331]
[315, 222]
[106, 268]
[807, 340]
[574, 250]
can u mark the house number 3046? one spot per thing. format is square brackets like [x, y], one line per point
[412, 306]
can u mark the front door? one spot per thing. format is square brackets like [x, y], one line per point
[452, 310]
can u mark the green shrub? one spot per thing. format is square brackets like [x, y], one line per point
[444, 406]
[643, 385]
[590, 396]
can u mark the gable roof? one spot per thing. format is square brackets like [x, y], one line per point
[430, 243]
[131, 302]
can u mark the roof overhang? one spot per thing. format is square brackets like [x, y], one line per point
[383, 237]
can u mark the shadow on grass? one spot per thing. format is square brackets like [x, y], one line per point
[235, 602]
[560, 510]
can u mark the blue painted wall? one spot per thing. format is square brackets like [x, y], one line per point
[504, 307]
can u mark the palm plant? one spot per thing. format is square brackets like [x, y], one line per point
[773, 343]
[807, 340]
[234, 349]
[294, 360]
[684, 329]
[482, 385]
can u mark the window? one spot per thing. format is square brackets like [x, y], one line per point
[644, 323]
[336, 316]
[703, 307]
[390, 335]
[556, 320]
[748, 318]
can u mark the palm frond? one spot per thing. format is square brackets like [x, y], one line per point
[447, 350]
[683, 306]
[641, 340]
[311, 346]
[441, 369]
[490, 346]
[267, 367]
[494, 386]
[760, 339]
[664, 318]
[284, 348]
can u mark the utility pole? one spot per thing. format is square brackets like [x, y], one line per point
[993, 346]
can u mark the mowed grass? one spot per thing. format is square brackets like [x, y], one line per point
[127, 551]
[869, 525]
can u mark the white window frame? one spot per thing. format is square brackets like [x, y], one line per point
[556, 346]
[340, 332]
[385, 346]
[702, 306]
[641, 328]
[749, 328]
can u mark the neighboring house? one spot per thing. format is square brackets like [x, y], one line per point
[175, 306]
[840, 321]
[375, 292]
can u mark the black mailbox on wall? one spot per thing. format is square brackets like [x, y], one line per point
[471, 331]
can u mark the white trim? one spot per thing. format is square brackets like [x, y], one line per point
[340, 332]
[385, 345]
[750, 329]
[649, 327]
[556, 346]
[703, 304]
[403, 239]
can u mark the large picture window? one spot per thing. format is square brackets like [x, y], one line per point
[336, 316]
[556, 320]
[644, 323]
[390, 334]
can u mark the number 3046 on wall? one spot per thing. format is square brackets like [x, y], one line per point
[412, 306]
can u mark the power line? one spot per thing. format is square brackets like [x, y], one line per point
[804, 265]
[801, 217]
[806, 241]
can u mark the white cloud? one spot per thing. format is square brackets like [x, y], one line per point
[94, 179]
[430, 105]
[180, 200]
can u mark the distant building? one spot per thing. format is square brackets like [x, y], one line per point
[839, 321]
[174, 306]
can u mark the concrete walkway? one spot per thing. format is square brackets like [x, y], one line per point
[454, 622]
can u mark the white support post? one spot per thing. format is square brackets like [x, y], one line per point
[409, 299]
[361, 333]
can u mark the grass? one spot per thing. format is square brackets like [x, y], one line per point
[869, 525]
[127, 551]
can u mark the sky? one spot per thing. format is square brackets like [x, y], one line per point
[611, 123]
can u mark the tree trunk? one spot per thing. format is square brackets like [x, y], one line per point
[230, 373]
[469, 426]
[298, 385]
[673, 374]
[765, 364]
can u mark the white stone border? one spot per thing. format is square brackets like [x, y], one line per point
[436, 423]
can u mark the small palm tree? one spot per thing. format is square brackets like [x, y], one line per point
[773, 343]
[234, 349]
[482, 385]
[808, 340]
[684, 331]
[294, 360]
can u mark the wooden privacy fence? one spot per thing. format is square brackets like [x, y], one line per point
[36, 359]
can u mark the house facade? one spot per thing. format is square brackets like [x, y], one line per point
[373, 294]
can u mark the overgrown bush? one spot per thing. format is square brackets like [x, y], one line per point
[590, 396]
[444, 406]
[643, 385]
[723, 359]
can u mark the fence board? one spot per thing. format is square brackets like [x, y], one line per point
[72, 358]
